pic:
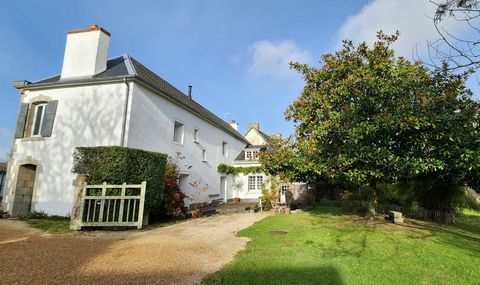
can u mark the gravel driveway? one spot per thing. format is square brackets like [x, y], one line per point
[182, 253]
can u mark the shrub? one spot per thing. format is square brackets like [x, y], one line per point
[175, 203]
[116, 165]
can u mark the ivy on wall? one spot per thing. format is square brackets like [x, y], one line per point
[227, 169]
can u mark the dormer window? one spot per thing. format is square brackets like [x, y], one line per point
[38, 119]
[251, 154]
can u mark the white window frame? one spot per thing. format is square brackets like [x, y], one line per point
[252, 154]
[182, 137]
[204, 155]
[258, 181]
[224, 148]
[196, 132]
[34, 121]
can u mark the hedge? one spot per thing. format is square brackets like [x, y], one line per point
[116, 165]
[227, 169]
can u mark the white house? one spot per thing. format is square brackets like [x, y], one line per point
[97, 101]
[248, 187]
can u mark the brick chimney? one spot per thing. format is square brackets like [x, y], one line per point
[86, 52]
[255, 126]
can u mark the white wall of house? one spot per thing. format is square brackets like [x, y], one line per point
[151, 127]
[255, 138]
[85, 116]
[242, 191]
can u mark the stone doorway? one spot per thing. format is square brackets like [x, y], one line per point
[22, 203]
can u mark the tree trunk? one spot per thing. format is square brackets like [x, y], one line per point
[372, 205]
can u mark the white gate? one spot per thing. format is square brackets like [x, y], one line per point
[112, 205]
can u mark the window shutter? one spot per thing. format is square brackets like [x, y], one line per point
[49, 118]
[21, 120]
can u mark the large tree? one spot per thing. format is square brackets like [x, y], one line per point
[370, 118]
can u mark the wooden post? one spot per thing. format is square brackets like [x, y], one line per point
[102, 201]
[120, 213]
[141, 206]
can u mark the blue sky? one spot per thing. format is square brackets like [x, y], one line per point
[234, 53]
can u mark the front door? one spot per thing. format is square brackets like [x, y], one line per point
[223, 188]
[22, 203]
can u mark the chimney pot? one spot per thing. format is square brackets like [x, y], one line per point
[190, 91]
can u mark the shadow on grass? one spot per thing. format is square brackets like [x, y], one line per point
[278, 276]
[465, 234]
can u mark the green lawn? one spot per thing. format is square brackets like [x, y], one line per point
[52, 226]
[326, 246]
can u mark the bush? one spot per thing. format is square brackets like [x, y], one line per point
[176, 205]
[116, 165]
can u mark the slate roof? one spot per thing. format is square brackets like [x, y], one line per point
[127, 67]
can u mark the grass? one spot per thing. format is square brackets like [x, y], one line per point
[470, 212]
[55, 225]
[327, 246]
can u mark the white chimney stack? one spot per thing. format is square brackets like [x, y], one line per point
[86, 52]
[234, 125]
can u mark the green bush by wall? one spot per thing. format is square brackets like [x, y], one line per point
[116, 165]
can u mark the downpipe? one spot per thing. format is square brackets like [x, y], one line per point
[125, 112]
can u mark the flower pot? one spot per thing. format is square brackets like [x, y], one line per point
[236, 200]
[252, 211]
[287, 211]
[195, 214]
[273, 211]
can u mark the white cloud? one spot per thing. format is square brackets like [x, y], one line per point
[411, 17]
[272, 59]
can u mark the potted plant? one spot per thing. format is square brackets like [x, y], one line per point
[273, 210]
[195, 212]
[253, 208]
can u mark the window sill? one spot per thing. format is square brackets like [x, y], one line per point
[30, 139]
[177, 143]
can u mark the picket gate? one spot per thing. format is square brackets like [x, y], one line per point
[112, 205]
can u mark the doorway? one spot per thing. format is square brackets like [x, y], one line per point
[22, 203]
[223, 188]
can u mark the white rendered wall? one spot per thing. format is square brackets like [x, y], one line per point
[255, 138]
[86, 116]
[242, 181]
[151, 127]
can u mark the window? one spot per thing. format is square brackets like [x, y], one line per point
[251, 154]
[38, 119]
[255, 182]
[178, 132]
[204, 155]
[284, 189]
[224, 149]
[195, 135]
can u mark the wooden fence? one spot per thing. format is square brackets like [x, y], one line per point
[112, 205]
